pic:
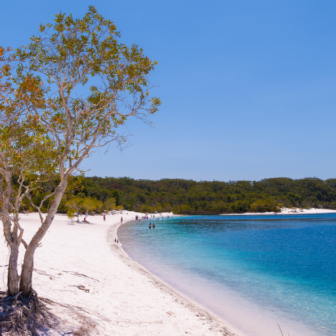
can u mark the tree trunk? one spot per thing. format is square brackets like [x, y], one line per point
[26, 281]
[13, 276]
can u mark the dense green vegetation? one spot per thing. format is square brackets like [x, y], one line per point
[187, 196]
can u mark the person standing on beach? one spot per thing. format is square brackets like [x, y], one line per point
[104, 218]
[121, 219]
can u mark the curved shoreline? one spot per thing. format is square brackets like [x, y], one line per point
[217, 324]
[237, 315]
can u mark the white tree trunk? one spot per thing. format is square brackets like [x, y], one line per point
[13, 276]
[26, 284]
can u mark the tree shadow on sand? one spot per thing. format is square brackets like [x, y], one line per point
[32, 316]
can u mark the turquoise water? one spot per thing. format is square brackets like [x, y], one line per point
[282, 264]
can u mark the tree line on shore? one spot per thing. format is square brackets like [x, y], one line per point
[96, 194]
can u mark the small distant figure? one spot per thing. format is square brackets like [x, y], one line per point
[150, 225]
[104, 218]
[121, 219]
[153, 226]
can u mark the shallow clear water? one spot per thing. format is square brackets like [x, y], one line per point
[282, 265]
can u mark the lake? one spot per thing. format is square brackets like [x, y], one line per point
[259, 273]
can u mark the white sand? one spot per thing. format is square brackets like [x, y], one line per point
[121, 297]
[286, 211]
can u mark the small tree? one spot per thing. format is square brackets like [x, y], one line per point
[71, 214]
[88, 204]
[67, 57]
[75, 205]
[110, 204]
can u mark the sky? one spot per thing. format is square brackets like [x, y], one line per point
[248, 88]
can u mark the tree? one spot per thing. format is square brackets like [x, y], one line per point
[319, 195]
[239, 196]
[71, 214]
[27, 157]
[90, 204]
[64, 58]
[22, 150]
[110, 204]
[75, 205]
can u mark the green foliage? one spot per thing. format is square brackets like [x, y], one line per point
[71, 213]
[75, 204]
[110, 204]
[187, 196]
[87, 52]
[263, 205]
[91, 204]
[87, 204]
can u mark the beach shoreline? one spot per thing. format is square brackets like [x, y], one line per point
[92, 283]
[234, 310]
[284, 211]
[217, 323]
[83, 270]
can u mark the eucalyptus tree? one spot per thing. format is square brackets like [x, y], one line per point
[27, 165]
[91, 83]
[27, 156]
[75, 204]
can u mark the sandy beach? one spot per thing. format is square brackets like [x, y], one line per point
[96, 289]
[286, 211]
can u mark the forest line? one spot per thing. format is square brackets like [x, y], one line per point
[191, 197]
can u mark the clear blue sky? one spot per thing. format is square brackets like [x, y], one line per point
[248, 87]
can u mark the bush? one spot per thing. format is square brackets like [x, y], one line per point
[71, 214]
